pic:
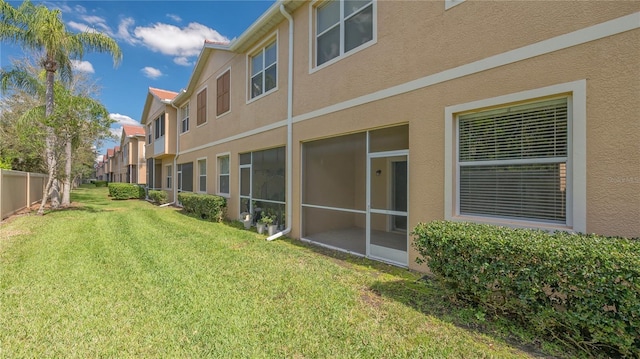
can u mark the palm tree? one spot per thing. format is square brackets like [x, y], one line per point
[38, 29]
[76, 119]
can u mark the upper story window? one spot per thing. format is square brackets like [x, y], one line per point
[451, 3]
[223, 97]
[201, 115]
[149, 132]
[184, 114]
[159, 126]
[264, 70]
[342, 26]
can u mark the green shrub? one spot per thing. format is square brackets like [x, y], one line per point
[582, 289]
[126, 191]
[158, 197]
[204, 206]
[101, 183]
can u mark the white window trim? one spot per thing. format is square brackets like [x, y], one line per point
[197, 165]
[183, 118]
[576, 163]
[312, 37]
[222, 194]
[169, 170]
[206, 118]
[228, 69]
[272, 38]
[448, 4]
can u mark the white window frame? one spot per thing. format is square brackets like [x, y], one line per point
[160, 127]
[259, 49]
[313, 6]
[448, 4]
[200, 175]
[184, 111]
[150, 133]
[220, 174]
[169, 178]
[576, 161]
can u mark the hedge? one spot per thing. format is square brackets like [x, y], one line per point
[158, 197]
[126, 191]
[204, 206]
[581, 289]
[100, 183]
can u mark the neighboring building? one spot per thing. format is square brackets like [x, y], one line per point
[132, 143]
[159, 120]
[100, 170]
[383, 114]
[109, 165]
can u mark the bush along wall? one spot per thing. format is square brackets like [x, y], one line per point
[158, 197]
[100, 183]
[204, 206]
[126, 191]
[581, 289]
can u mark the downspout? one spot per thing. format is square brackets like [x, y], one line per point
[289, 130]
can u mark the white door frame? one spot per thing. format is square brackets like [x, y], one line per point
[386, 154]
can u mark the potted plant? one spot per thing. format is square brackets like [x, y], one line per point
[246, 218]
[265, 220]
[272, 227]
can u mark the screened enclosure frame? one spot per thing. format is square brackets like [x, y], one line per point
[341, 206]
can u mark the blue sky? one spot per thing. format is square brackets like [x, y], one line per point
[160, 42]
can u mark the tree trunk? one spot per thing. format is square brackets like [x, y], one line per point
[50, 67]
[66, 184]
[55, 194]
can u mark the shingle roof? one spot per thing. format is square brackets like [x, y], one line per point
[163, 94]
[132, 130]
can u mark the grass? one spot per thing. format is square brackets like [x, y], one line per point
[128, 279]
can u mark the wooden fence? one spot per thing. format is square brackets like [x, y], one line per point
[19, 190]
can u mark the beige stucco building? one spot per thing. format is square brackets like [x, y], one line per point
[132, 150]
[354, 121]
[159, 121]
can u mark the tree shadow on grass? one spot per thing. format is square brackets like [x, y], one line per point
[424, 294]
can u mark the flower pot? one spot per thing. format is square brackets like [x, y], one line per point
[272, 229]
[260, 227]
[246, 219]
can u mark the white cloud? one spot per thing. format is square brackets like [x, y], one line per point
[81, 27]
[99, 158]
[151, 72]
[174, 41]
[123, 120]
[91, 24]
[182, 43]
[123, 31]
[82, 66]
[174, 17]
[116, 133]
[182, 61]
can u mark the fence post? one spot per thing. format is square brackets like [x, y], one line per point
[28, 189]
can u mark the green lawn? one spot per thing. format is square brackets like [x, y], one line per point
[127, 279]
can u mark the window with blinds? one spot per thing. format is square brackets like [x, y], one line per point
[201, 104]
[512, 162]
[223, 96]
